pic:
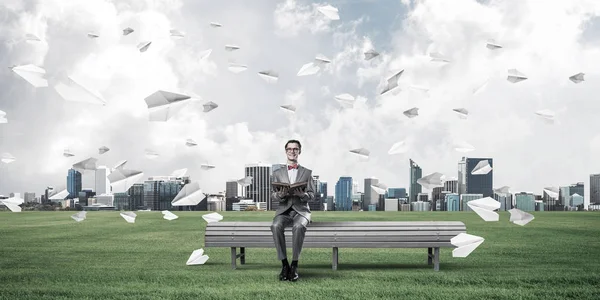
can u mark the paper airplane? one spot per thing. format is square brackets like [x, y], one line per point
[370, 54]
[546, 115]
[552, 192]
[520, 217]
[345, 100]
[129, 216]
[151, 154]
[438, 57]
[206, 166]
[462, 112]
[163, 105]
[68, 153]
[190, 143]
[231, 47]
[392, 82]
[432, 180]
[190, 194]
[80, 216]
[119, 165]
[502, 190]
[70, 90]
[32, 38]
[86, 164]
[216, 25]
[330, 12]
[483, 167]
[411, 113]
[122, 179]
[179, 172]
[205, 54]
[462, 146]
[143, 46]
[127, 31]
[208, 106]
[237, 68]
[485, 207]
[35, 75]
[465, 243]
[212, 217]
[492, 45]
[13, 203]
[176, 33]
[167, 215]
[362, 152]
[92, 35]
[103, 150]
[379, 188]
[269, 76]
[58, 194]
[197, 258]
[314, 67]
[515, 76]
[577, 78]
[246, 181]
[3, 119]
[289, 108]
[398, 147]
[7, 158]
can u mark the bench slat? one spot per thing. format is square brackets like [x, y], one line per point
[340, 229]
[338, 239]
[212, 234]
[338, 244]
[344, 224]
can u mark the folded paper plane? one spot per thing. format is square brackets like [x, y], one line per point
[288, 108]
[71, 90]
[179, 172]
[197, 258]
[392, 82]
[35, 75]
[68, 153]
[143, 46]
[212, 217]
[411, 113]
[207, 166]
[438, 57]
[520, 217]
[80, 216]
[167, 215]
[577, 78]
[127, 31]
[216, 24]
[190, 143]
[398, 147]
[86, 164]
[493, 45]
[362, 152]
[129, 216]
[379, 188]
[330, 12]
[246, 181]
[7, 158]
[515, 76]
[546, 115]
[463, 113]
[176, 33]
[13, 203]
[269, 76]
[462, 146]
[231, 47]
[190, 194]
[465, 243]
[485, 207]
[345, 100]
[502, 190]
[370, 54]
[237, 68]
[103, 150]
[432, 180]
[151, 154]
[483, 167]
[32, 38]
[122, 179]
[163, 105]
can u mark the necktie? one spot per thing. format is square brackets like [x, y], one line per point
[292, 167]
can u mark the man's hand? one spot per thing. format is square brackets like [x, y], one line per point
[299, 193]
[282, 192]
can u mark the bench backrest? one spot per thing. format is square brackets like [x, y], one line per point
[338, 234]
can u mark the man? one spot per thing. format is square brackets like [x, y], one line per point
[293, 209]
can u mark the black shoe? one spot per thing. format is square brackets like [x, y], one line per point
[293, 276]
[285, 272]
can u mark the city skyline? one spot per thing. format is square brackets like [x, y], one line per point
[249, 126]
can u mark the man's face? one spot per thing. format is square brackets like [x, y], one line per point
[292, 151]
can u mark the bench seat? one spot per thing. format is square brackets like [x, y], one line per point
[388, 234]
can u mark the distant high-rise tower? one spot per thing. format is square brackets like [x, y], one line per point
[475, 184]
[73, 183]
[415, 174]
[451, 185]
[102, 183]
[371, 197]
[260, 189]
[231, 189]
[343, 194]
[595, 188]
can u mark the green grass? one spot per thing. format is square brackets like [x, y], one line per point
[47, 255]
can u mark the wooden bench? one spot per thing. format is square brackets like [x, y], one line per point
[430, 235]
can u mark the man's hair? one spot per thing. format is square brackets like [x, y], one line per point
[293, 141]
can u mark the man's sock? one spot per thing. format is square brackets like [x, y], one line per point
[284, 262]
[294, 263]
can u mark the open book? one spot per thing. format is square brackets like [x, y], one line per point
[279, 185]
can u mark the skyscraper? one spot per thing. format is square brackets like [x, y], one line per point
[396, 193]
[102, 183]
[415, 174]
[475, 184]
[231, 189]
[371, 197]
[343, 194]
[260, 189]
[73, 183]
[595, 188]
[451, 185]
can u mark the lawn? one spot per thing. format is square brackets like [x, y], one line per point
[47, 255]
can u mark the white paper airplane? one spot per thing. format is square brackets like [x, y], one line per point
[70, 90]
[330, 12]
[432, 180]
[269, 76]
[546, 115]
[206, 166]
[462, 146]
[246, 181]
[167, 215]
[362, 152]
[7, 158]
[68, 153]
[103, 150]
[483, 167]
[577, 78]
[163, 105]
[151, 154]
[345, 100]
[237, 68]
[92, 35]
[80, 216]
[58, 194]
[370, 54]
[208, 106]
[129, 216]
[216, 24]
[86, 164]
[32, 38]
[520, 217]
[176, 33]
[205, 54]
[411, 113]
[119, 165]
[485, 207]
[143, 46]
[190, 194]
[190, 143]
[438, 57]
[122, 179]
[379, 188]
[492, 45]
[463, 113]
[212, 217]
[515, 76]
[127, 31]
[398, 147]
[231, 47]
[465, 243]
[552, 192]
[502, 190]
[13, 203]
[392, 82]
[35, 75]
[197, 258]
[179, 172]
[288, 108]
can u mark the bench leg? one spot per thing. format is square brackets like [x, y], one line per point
[243, 255]
[233, 257]
[436, 259]
[334, 263]
[429, 255]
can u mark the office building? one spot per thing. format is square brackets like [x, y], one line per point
[452, 202]
[159, 191]
[451, 185]
[396, 193]
[121, 201]
[420, 206]
[565, 193]
[343, 194]
[415, 174]
[576, 201]
[423, 197]
[136, 196]
[231, 189]
[475, 184]
[371, 196]
[85, 195]
[73, 183]
[260, 189]
[391, 204]
[29, 197]
[466, 198]
[102, 184]
[525, 201]
[505, 200]
[330, 203]
[595, 189]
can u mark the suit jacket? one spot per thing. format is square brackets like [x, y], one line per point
[299, 204]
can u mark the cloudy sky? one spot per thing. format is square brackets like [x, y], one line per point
[548, 41]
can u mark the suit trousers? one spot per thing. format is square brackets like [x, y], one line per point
[298, 223]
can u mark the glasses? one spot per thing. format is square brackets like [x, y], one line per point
[292, 149]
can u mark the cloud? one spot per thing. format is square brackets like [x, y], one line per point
[291, 18]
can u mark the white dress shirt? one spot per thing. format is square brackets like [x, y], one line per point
[292, 174]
